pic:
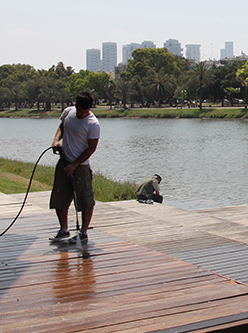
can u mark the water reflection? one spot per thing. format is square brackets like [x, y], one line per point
[74, 278]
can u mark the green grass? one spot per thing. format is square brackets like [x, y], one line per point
[15, 176]
[109, 190]
[173, 113]
[101, 112]
[226, 113]
[30, 113]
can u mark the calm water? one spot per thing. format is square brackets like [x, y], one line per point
[203, 163]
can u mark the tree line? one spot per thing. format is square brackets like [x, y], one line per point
[152, 76]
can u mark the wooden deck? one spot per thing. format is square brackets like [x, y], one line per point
[146, 268]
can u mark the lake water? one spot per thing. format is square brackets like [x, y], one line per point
[203, 163]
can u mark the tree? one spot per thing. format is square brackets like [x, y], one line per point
[122, 91]
[48, 92]
[145, 59]
[110, 92]
[160, 85]
[203, 77]
[231, 91]
[65, 97]
[242, 77]
[88, 80]
[34, 83]
[97, 82]
[183, 89]
[4, 97]
[76, 83]
[138, 89]
[33, 88]
[225, 76]
[17, 94]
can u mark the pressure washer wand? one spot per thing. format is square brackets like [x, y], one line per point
[62, 155]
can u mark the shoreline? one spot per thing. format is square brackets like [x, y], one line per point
[163, 113]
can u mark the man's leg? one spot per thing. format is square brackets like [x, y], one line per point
[61, 196]
[63, 218]
[157, 198]
[63, 232]
[86, 218]
[85, 199]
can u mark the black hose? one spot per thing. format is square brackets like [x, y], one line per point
[24, 201]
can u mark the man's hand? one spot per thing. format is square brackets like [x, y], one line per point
[58, 137]
[55, 147]
[69, 169]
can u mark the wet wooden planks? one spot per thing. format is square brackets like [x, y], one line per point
[215, 239]
[114, 285]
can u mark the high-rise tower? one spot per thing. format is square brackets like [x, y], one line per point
[93, 60]
[193, 52]
[109, 56]
[174, 47]
[127, 51]
[227, 52]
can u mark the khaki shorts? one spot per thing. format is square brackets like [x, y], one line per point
[62, 193]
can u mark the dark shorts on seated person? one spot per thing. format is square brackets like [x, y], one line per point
[154, 197]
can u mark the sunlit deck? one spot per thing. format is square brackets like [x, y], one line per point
[146, 268]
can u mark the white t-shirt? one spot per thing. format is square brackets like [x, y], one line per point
[77, 132]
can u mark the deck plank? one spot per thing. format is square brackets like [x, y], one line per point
[127, 279]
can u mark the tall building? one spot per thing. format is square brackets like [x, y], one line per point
[193, 52]
[174, 47]
[93, 60]
[147, 44]
[127, 51]
[129, 48]
[109, 56]
[119, 69]
[227, 52]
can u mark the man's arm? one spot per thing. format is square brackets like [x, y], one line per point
[156, 186]
[92, 144]
[58, 137]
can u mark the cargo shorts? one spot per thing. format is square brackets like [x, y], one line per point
[62, 192]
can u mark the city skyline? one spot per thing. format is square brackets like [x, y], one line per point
[97, 63]
[42, 33]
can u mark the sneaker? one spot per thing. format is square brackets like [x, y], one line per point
[83, 238]
[60, 235]
[149, 201]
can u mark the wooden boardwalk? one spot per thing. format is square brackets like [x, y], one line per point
[146, 268]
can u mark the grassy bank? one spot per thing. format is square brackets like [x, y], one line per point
[15, 176]
[30, 113]
[206, 112]
[239, 113]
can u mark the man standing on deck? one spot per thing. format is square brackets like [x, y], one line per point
[80, 131]
[148, 191]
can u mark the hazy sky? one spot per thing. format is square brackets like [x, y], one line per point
[43, 32]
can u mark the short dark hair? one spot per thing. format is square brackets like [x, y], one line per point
[157, 176]
[85, 100]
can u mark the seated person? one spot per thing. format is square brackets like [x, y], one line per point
[148, 191]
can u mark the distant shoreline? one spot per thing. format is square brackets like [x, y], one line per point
[165, 113]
